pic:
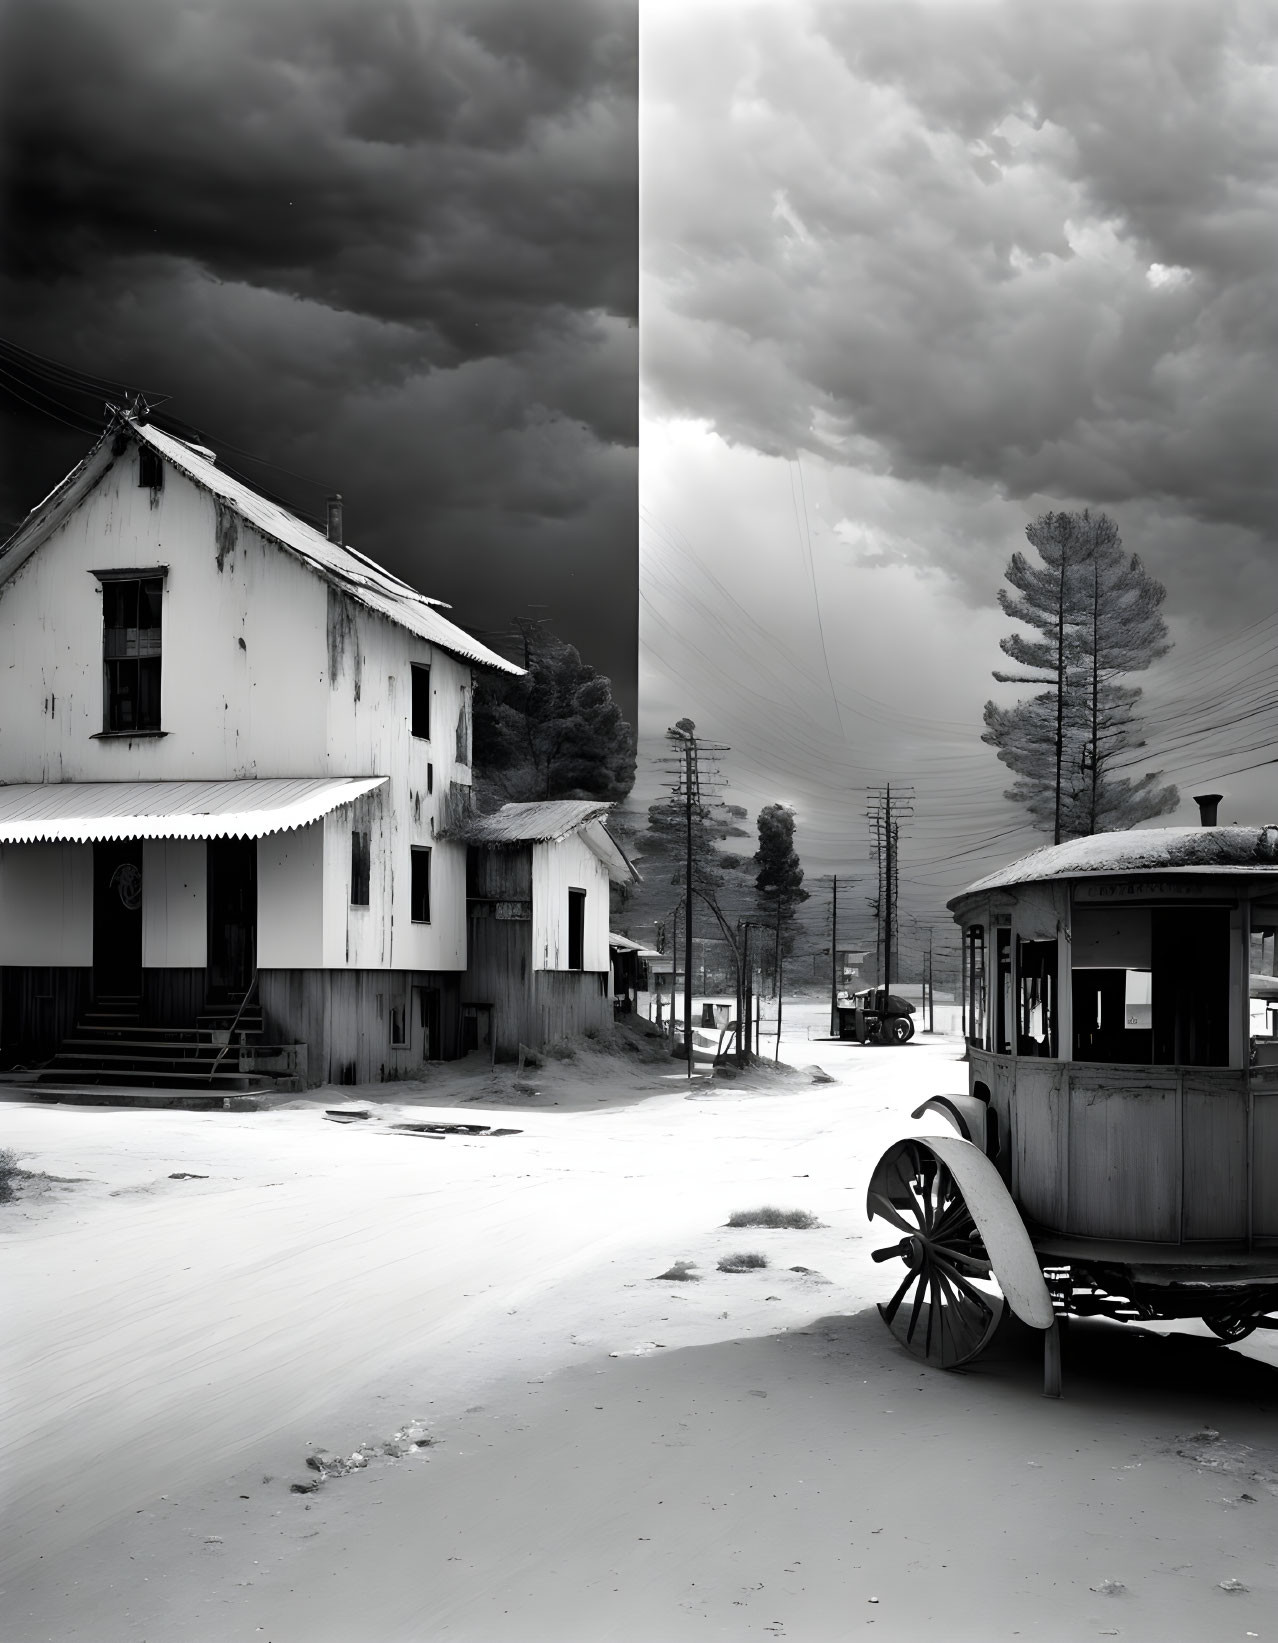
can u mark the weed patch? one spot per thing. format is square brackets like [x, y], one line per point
[747, 1260]
[769, 1216]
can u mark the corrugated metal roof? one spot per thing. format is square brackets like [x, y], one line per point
[363, 579]
[1195, 850]
[541, 822]
[82, 811]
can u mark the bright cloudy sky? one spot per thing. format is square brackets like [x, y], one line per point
[912, 274]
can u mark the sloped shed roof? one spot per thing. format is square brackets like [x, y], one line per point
[1192, 850]
[546, 821]
[540, 822]
[362, 579]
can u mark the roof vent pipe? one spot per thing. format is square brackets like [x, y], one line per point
[335, 519]
[1207, 803]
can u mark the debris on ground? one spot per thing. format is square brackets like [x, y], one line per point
[680, 1272]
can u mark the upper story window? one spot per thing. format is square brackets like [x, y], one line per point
[150, 469]
[131, 652]
[421, 702]
[360, 867]
[419, 886]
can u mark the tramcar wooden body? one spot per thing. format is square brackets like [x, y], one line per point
[1117, 1151]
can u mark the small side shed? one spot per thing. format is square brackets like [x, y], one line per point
[537, 881]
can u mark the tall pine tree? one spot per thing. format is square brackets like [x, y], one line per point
[1097, 616]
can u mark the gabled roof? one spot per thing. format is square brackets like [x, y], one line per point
[342, 567]
[547, 821]
[1195, 850]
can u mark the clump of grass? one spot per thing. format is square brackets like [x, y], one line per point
[681, 1273]
[10, 1175]
[746, 1260]
[769, 1216]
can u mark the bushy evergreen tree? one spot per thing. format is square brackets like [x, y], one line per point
[1096, 616]
[779, 882]
[555, 733]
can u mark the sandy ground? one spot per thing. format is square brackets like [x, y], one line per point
[611, 1455]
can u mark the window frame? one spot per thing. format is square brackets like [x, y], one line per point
[576, 926]
[420, 697]
[361, 866]
[419, 853]
[115, 665]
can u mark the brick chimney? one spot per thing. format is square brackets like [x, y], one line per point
[1207, 803]
[335, 519]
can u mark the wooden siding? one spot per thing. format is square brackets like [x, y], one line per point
[173, 997]
[46, 904]
[499, 872]
[343, 1018]
[175, 922]
[290, 898]
[1124, 1160]
[500, 974]
[557, 867]
[1151, 1154]
[1264, 1153]
[39, 1005]
[1039, 1127]
[1215, 1151]
[571, 1001]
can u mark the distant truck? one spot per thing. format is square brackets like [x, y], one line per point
[875, 1016]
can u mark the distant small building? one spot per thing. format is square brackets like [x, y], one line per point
[537, 881]
[631, 973]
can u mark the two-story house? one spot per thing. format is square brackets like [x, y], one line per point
[229, 746]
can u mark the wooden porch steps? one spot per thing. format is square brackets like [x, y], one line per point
[111, 1048]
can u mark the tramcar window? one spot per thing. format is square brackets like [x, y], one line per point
[975, 978]
[1190, 964]
[1003, 1005]
[1263, 988]
[1036, 998]
[1151, 985]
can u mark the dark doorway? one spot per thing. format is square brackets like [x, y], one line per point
[117, 918]
[232, 891]
[428, 1016]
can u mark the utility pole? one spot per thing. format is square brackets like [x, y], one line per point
[688, 749]
[777, 1053]
[885, 812]
[834, 960]
[674, 969]
[888, 842]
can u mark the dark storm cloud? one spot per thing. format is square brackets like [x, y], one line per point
[390, 247]
[1029, 246]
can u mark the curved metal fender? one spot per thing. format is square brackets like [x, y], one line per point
[965, 1112]
[1003, 1232]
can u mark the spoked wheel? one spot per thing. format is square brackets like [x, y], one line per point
[945, 1308]
[1230, 1326]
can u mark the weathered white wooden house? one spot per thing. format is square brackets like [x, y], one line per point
[228, 749]
[538, 877]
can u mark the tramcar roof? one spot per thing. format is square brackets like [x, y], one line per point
[1164, 850]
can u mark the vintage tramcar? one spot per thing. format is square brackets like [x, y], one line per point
[1117, 1151]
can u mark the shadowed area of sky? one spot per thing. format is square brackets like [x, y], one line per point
[388, 250]
[914, 273]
